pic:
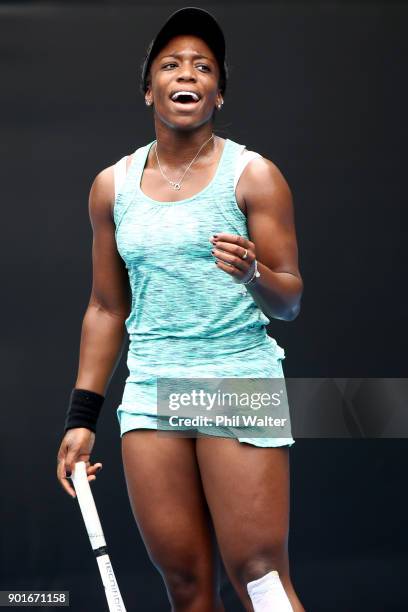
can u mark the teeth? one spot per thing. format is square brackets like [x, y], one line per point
[184, 93]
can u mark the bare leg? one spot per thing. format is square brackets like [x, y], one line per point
[171, 512]
[247, 490]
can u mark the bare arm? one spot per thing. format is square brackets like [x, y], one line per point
[103, 330]
[272, 229]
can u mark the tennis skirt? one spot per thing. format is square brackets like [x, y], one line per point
[148, 361]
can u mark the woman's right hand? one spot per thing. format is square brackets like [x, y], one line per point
[76, 446]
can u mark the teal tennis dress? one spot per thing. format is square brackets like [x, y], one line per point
[188, 317]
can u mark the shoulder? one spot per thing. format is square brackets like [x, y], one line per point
[263, 184]
[102, 194]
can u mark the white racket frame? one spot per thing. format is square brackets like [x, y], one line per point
[94, 528]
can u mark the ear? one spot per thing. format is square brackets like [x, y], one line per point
[149, 83]
[148, 94]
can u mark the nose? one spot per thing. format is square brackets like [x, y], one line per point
[186, 72]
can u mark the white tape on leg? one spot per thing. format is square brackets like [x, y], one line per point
[267, 594]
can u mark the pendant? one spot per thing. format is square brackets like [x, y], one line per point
[176, 186]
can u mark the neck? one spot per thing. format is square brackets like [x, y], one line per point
[179, 148]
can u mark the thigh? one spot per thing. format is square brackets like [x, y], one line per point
[168, 503]
[247, 490]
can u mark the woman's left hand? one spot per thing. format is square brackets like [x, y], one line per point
[229, 250]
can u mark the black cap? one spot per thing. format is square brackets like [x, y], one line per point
[194, 21]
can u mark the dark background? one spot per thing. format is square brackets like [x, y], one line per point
[318, 88]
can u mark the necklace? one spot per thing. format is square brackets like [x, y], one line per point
[177, 184]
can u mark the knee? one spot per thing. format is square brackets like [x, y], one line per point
[260, 563]
[183, 586]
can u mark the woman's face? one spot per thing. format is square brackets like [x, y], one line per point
[179, 67]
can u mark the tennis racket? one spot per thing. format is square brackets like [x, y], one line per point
[94, 528]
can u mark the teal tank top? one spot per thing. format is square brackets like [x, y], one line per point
[183, 305]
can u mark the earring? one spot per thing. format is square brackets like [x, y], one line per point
[148, 102]
[219, 106]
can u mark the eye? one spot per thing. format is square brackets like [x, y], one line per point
[206, 68]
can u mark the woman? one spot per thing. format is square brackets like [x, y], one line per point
[153, 265]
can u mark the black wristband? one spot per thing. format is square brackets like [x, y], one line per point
[83, 410]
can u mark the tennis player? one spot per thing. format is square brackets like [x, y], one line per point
[194, 253]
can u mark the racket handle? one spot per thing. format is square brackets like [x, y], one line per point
[94, 528]
[87, 504]
[113, 596]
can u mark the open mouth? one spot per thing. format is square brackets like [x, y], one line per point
[185, 100]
